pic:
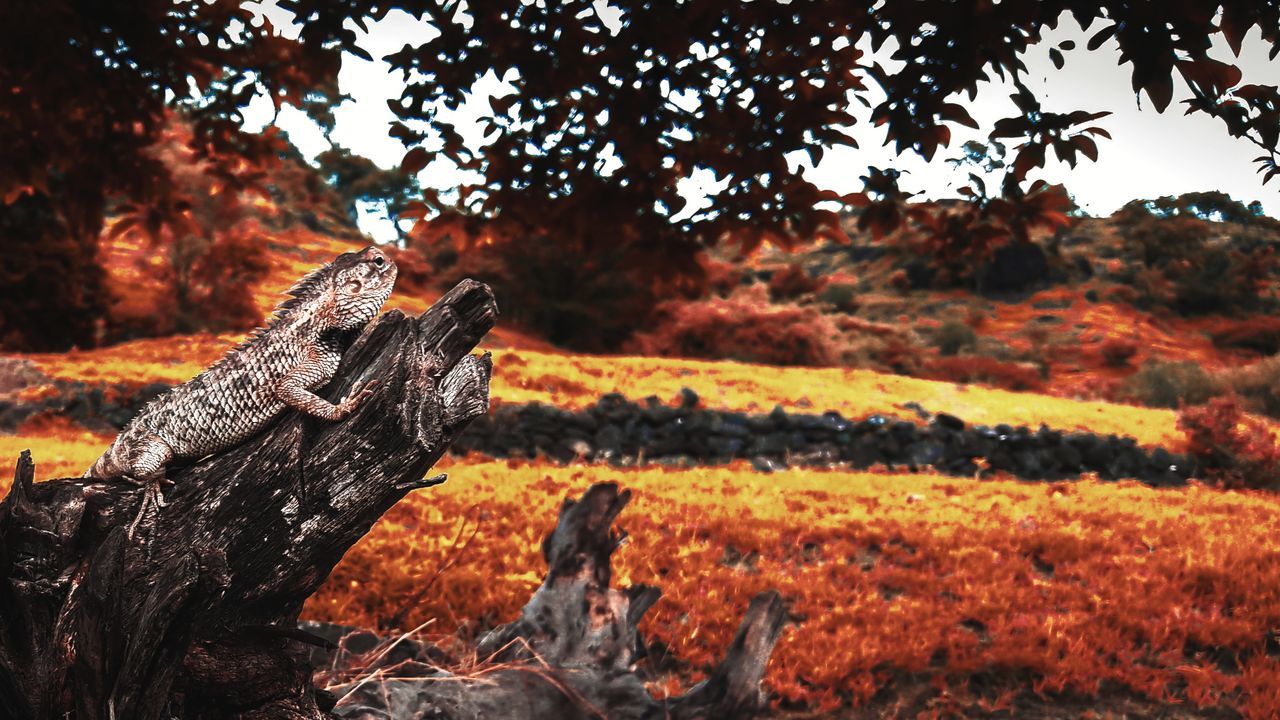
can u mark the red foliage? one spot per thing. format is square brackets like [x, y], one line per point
[414, 272]
[742, 327]
[221, 277]
[746, 326]
[1232, 448]
[578, 296]
[791, 282]
[985, 370]
[722, 277]
[1117, 352]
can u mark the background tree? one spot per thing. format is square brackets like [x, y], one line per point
[359, 181]
[85, 88]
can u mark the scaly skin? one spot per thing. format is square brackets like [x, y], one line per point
[278, 367]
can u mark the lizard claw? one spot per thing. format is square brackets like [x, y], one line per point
[151, 495]
[352, 401]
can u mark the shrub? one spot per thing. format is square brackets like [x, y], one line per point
[984, 370]
[722, 277]
[745, 326]
[1184, 270]
[586, 301]
[216, 296]
[792, 281]
[841, 296]
[1257, 384]
[1171, 384]
[1231, 448]
[1117, 352]
[413, 272]
[1160, 241]
[953, 336]
[879, 346]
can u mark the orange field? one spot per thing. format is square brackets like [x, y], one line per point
[1079, 584]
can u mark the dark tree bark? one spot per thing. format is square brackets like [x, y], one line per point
[198, 616]
[572, 653]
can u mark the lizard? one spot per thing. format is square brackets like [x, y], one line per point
[277, 367]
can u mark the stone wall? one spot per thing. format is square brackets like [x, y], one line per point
[619, 431]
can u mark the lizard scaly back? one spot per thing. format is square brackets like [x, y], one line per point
[276, 367]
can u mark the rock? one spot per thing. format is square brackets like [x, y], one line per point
[949, 422]
[928, 452]
[767, 465]
[688, 398]
[608, 440]
[619, 431]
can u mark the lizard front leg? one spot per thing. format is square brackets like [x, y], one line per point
[145, 466]
[294, 391]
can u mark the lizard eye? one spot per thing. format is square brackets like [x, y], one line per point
[379, 261]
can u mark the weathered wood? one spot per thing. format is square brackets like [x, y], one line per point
[197, 617]
[572, 654]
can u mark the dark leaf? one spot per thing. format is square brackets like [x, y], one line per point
[1101, 37]
[414, 161]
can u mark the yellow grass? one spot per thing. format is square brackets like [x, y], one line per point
[573, 381]
[59, 450]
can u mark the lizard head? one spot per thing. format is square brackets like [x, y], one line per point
[360, 282]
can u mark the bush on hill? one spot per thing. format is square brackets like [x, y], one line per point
[953, 336]
[1257, 385]
[1232, 449]
[1170, 384]
[792, 281]
[746, 327]
[1186, 268]
[588, 302]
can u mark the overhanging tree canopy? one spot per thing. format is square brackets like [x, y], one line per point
[608, 115]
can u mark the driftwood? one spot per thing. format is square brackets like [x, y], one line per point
[197, 618]
[572, 653]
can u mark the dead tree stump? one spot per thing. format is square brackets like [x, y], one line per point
[572, 653]
[197, 618]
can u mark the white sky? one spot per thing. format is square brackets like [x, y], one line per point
[1150, 155]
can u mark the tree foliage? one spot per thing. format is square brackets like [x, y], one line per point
[735, 87]
[614, 104]
[87, 84]
[84, 88]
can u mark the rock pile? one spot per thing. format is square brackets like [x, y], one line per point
[617, 430]
[620, 431]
